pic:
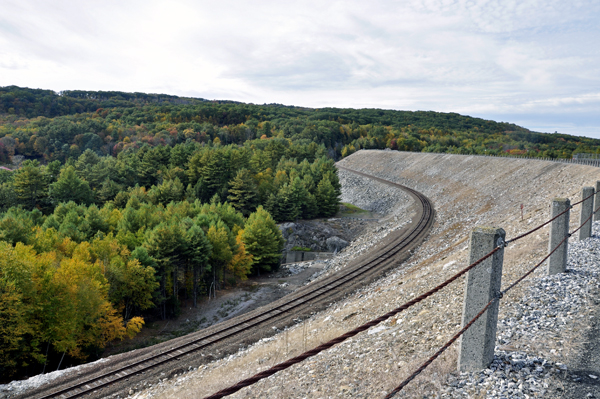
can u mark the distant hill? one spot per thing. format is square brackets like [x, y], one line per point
[38, 102]
[64, 124]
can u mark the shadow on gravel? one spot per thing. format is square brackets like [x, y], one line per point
[582, 380]
[582, 377]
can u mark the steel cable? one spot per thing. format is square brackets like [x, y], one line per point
[439, 352]
[539, 227]
[579, 202]
[536, 266]
[284, 365]
[457, 335]
[551, 220]
[581, 225]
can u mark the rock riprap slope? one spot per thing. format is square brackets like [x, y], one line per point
[467, 191]
[372, 195]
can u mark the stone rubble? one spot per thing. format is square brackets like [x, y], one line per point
[388, 201]
[372, 196]
[19, 386]
[313, 234]
[552, 306]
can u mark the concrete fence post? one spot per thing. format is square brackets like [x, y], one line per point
[597, 201]
[559, 229]
[587, 207]
[476, 350]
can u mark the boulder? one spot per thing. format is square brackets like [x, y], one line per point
[336, 244]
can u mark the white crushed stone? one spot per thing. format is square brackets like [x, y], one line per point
[19, 386]
[552, 307]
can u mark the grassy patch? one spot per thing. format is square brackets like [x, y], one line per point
[304, 249]
[347, 207]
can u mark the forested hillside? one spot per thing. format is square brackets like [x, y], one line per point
[46, 125]
[123, 206]
[91, 247]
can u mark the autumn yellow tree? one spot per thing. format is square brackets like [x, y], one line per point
[57, 299]
[240, 265]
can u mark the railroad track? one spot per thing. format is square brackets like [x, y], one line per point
[396, 250]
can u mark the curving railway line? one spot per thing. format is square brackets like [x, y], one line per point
[166, 359]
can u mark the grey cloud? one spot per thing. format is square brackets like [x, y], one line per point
[303, 72]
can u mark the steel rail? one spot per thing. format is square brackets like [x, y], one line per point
[288, 363]
[319, 290]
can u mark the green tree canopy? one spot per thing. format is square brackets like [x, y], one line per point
[69, 187]
[263, 240]
[31, 185]
[243, 193]
[327, 197]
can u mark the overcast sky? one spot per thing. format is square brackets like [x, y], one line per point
[535, 63]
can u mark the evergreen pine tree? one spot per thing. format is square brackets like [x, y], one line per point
[8, 197]
[243, 194]
[30, 185]
[300, 197]
[288, 208]
[108, 191]
[263, 241]
[198, 250]
[69, 187]
[167, 191]
[327, 198]
[272, 206]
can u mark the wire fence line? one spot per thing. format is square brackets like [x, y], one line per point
[551, 220]
[588, 162]
[473, 320]
[500, 295]
[440, 351]
[282, 366]
[295, 360]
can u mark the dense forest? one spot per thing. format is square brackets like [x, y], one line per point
[119, 207]
[51, 126]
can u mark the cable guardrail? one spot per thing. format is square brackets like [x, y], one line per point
[496, 298]
[473, 320]
[550, 221]
[504, 243]
[440, 351]
[586, 198]
[284, 365]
